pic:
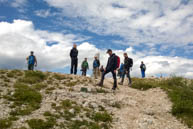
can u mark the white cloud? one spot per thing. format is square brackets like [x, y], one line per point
[18, 3]
[20, 37]
[159, 21]
[44, 13]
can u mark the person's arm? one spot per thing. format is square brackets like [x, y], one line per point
[71, 53]
[99, 63]
[27, 58]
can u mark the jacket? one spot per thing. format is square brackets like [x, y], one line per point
[96, 63]
[112, 63]
[128, 63]
[74, 53]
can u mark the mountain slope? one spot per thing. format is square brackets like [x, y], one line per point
[40, 100]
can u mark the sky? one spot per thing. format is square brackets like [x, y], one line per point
[158, 32]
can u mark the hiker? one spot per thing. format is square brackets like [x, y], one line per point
[143, 69]
[32, 61]
[128, 64]
[74, 59]
[121, 70]
[102, 69]
[96, 65]
[112, 65]
[84, 67]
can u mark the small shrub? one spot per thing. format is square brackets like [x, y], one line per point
[25, 97]
[32, 77]
[102, 117]
[41, 124]
[5, 123]
[101, 90]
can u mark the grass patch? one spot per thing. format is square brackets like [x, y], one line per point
[5, 123]
[101, 90]
[41, 124]
[32, 77]
[179, 91]
[14, 73]
[25, 99]
[39, 86]
[102, 117]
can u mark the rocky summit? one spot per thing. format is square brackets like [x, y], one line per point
[45, 100]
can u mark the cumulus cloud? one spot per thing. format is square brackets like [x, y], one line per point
[150, 23]
[20, 37]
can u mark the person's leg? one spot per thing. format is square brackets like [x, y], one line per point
[129, 77]
[75, 66]
[98, 72]
[32, 67]
[28, 66]
[72, 66]
[142, 73]
[115, 80]
[102, 78]
[123, 77]
[94, 73]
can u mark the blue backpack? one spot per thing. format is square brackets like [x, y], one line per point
[31, 60]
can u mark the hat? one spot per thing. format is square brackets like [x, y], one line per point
[109, 50]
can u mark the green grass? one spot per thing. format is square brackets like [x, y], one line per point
[32, 77]
[41, 124]
[39, 86]
[26, 97]
[180, 92]
[102, 117]
[14, 73]
[5, 123]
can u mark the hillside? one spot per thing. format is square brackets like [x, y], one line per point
[37, 100]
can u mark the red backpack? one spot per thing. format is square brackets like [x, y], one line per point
[118, 62]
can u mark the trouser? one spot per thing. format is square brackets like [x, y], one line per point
[114, 77]
[31, 67]
[74, 64]
[84, 72]
[143, 73]
[96, 72]
[127, 73]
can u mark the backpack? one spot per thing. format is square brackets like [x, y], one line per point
[131, 62]
[31, 60]
[144, 67]
[118, 62]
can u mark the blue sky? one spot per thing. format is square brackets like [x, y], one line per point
[156, 28]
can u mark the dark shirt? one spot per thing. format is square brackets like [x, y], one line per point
[112, 63]
[74, 53]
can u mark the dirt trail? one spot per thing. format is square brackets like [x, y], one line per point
[143, 109]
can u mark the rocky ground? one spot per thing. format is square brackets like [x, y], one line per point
[82, 100]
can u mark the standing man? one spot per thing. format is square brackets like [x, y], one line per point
[112, 66]
[74, 59]
[143, 69]
[31, 61]
[128, 64]
[84, 67]
[96, 65]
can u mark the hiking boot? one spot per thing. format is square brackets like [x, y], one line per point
[120, 83]
[99, 84]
